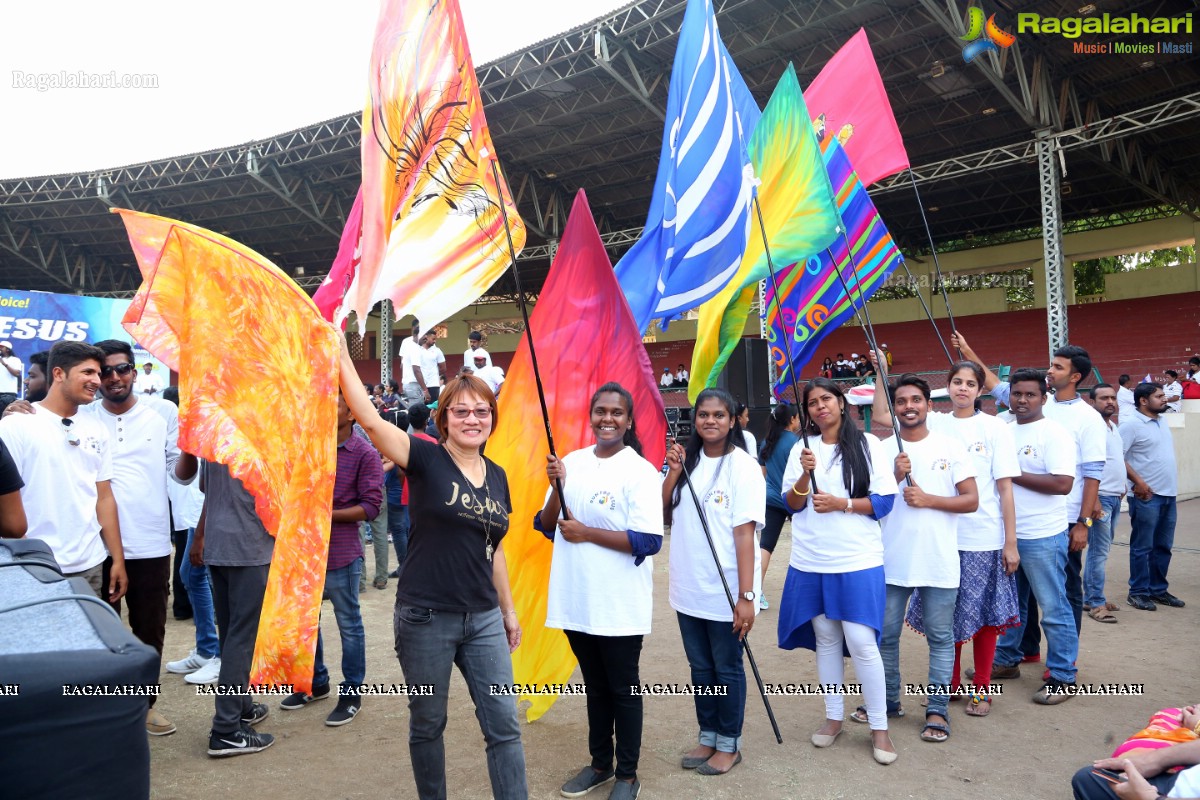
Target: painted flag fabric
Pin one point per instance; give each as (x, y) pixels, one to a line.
(329, 294)
(849, 104)
(799, 215)
(585, 336)
(433, 232)
(699, 215)
(813, 300)
(230, 322)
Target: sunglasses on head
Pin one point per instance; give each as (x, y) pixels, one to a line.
(120, 369)
(72, 437)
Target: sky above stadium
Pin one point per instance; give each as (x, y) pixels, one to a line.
(205, 76)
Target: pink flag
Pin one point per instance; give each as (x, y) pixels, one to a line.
(345, 265)
(848, 102)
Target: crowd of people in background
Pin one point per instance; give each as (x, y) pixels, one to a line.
(1016, 515)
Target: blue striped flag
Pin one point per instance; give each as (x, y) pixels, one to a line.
(699, 216)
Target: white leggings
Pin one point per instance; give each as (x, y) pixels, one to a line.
(868, 665)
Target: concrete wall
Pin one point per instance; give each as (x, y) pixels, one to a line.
(1185, 430)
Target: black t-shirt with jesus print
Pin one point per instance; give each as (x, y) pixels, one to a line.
(447, 567)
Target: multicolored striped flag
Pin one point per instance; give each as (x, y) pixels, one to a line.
(230, 322)
(813, 301)
(698, 222)
(799, 215)
(581, 298)
(433, 237)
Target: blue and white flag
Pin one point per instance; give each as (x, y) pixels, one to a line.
(699, 217)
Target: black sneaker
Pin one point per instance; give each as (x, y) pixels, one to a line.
(1054, 692)
(238, 743)
(258, 712)
(1168, 599)
(344, 713)
(300, 699)
(585, 781)
(1141, 602)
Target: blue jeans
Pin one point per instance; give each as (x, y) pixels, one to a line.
(938, 605)
(1099, 543)
(429, 642)
(195, 583)
(341, 586)
(715, 655)
(1043, 562)
(398, 527)
(1150, 540)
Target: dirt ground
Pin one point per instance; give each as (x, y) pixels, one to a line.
(1020, 751)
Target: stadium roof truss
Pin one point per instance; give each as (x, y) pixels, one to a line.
(585, 110)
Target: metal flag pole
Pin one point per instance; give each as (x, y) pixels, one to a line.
(933, 251)
(787, 354)
(537, 376)
(732, 603)
(925, 308)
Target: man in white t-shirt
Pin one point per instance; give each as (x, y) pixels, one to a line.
(667, 380)
(920, 544)
(681, 376)
(412, 378)
(1173, 389)
(10, 374)
(65, 459)
(1046, 454)
(143, 434)
(491, 375)
(474, 343)
(433, 364)
(148, 381)
(1125, 405)
(1112, 489)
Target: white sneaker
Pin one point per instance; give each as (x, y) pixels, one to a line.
(206, 674)
(193, 662)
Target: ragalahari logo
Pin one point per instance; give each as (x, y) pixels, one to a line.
(984, 38)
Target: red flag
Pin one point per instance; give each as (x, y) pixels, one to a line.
(585, 336)
(345, 265)
(848, 102)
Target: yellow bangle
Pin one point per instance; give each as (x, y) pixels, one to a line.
(800, 494)
(1196, 729)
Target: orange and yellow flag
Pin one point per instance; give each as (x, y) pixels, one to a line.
(258, 392)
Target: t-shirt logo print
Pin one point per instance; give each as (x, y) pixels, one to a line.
(1029, 450)
(718, 497)
(979, 449)
(941, 464)
(604, 499)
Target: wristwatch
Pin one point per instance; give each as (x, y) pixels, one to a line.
(1087, 521)
(750, 595)
(849, 509)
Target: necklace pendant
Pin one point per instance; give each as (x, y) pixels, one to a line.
(487, 551)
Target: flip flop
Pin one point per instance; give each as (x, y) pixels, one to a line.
(1102, 614)
(975, 708)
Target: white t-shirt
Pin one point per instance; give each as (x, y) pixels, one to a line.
(682, 375)
(60, 482)
(988, 444)
(430, 358)
(148, 384)
(1187, 784)
(836, 542)
(493, 377)
(410, 356)
(667, 379)
(145, 448)
(1043, 448)
(596, 589)
(732, 491)
(1125, 404)
(469, 357)
(10, 383)
(1113, 481)
(186, 503)
(751, 445)
(920, 545)
(1090, 435)
(1174, 389)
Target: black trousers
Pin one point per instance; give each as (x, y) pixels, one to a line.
(181, 604)
(237, 602)
(146, 598)
(1087, 786)
(610, 669)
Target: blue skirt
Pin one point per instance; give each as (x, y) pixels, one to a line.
(847, 596)
(987, 596)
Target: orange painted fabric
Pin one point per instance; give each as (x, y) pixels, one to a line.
(433, 236)
(585, 336)
(258, 392)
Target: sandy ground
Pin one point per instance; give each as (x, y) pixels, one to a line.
(1021, 750)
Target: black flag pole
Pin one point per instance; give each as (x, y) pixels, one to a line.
(800, 411)
(925, 307)
(537, 376)
(933, 251)
(712, 546)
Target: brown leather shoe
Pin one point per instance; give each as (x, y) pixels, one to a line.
(999, 672)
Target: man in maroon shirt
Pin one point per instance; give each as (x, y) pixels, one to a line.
(357, 495)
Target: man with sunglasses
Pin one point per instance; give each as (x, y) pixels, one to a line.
(143, 435)
(65, 459)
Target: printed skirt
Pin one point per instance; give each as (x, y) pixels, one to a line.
(987, 596)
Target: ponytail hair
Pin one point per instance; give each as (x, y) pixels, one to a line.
(781, 417)
(631, 438)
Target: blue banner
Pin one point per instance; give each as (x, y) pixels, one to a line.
(34, 321)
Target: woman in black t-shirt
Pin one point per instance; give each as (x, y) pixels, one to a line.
(453, 602)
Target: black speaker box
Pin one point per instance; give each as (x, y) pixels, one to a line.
(747, 375)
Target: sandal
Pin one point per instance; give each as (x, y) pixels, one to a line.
(976, 707)
(931, 731)
(1102, 614)
(860, 713)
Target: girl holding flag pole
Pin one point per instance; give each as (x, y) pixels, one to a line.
(601, 581)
